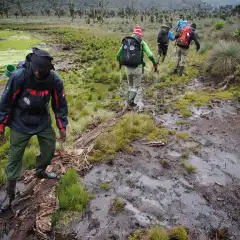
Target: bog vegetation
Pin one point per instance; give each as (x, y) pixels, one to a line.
(92, 84)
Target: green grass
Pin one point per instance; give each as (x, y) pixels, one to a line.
(133, 126)
(105, 186)
(3, 177)
(29, 158)
(199, 98)
(219, 25)
(224, 59)
(158, 233)
(117, 205)
(71, 193)
(165, 163)
(188, 167)
(185, 155)
(178, 233)
(183, 135)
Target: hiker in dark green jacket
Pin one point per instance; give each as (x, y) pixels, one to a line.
(131, 54)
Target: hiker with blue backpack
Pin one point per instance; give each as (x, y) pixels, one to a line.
(24, 108)
(183, 41)
(162, 40)
(131, 55)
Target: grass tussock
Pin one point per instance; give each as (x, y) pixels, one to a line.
(158, 233)
(131, 127)
(105, 186)
(71, 193)
(178, 233)
(188, 167)
(117, 205)
(3, 176)
(224, 59)
(219, 25)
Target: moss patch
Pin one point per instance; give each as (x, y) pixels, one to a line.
(131, 127)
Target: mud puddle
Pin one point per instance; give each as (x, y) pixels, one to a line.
(152, 194)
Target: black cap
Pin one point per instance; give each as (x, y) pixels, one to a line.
(194, 26)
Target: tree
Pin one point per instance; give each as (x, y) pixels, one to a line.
(102, 4)
(71, 5)
(56, 6)
(20, 5)
(4, 8)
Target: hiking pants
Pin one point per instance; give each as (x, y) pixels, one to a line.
(18, 144)
(134, 77)
(181, 56)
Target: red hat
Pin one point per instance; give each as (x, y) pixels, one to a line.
(138, 31)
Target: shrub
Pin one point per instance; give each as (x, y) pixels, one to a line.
(178, 233)
(188, 167)
(205, 46)
(71, 193)
(157, 233)
(219, 25)
(224, 59)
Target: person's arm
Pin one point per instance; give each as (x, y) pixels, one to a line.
(171, 36)
(148, 52)
(59, 105)
(119, 53)
(7, 101)
(194, 38)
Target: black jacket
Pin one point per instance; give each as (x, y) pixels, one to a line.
(24, 105)
(191, 38)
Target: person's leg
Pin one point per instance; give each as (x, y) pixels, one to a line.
(18, 143)
(47, 143)
(131, 90)
(182, 63)
(178, 59)
(137, 84)
(165, 49)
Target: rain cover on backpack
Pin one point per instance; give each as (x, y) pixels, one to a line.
(183, 40)
(132, 52)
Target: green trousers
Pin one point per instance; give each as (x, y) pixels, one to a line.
(18, 144)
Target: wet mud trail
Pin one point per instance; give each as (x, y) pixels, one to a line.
(167, 195)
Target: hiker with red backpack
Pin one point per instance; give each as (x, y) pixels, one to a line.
(130, 55)
(24, 108)
(183, 42)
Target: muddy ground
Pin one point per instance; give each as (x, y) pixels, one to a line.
(169, 196)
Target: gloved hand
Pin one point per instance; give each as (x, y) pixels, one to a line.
(63, 136)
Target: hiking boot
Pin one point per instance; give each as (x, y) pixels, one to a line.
(46, 175)
(175, 71)
(10, 195)
(181, 71)
(131, 97)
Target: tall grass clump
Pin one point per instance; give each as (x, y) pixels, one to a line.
(224, 59)
(71, 193)
(157, 233)
(219, 25)
(131, 127)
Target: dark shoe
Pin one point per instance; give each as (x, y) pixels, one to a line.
(46, 175)
(175, 71)
(181, 71)
(10, 195)
(131, 97)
